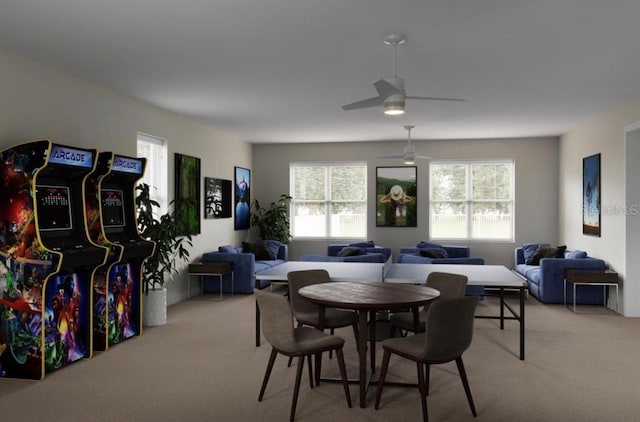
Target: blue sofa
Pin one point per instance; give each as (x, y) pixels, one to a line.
(546, 281)
(245, 266)
(364, 252)
(452, 255)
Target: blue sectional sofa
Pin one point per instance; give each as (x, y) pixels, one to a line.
(434, 253)
(245, 265)
(546, 280)
(352, 252)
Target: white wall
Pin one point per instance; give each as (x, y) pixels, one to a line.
(536, 163)
(602, 134)
(39, 102)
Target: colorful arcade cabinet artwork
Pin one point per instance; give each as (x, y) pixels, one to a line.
(117, 287)
(46, 259)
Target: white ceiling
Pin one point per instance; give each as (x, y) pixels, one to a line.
(280, 70)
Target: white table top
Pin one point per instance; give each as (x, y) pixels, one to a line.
(479, 275)
(338, 271)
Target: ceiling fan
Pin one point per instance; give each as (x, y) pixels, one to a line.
(391, 93)
(409, 155)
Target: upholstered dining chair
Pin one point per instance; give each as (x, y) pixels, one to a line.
(449, 331)
(450, 286)
(306, 313)
(300, 342)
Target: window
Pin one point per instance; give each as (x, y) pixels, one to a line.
(155, 151)
(471, 200)
(329, 200)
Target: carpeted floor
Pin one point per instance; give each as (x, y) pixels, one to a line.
(204, 366)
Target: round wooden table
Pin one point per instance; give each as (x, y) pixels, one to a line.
(366, 299)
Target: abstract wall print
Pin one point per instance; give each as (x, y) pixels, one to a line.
(242, 198)
(187, 187)
(217, 198)
(591, 195)
(396, 191)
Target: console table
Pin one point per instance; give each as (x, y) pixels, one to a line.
(591, 278)
(218, 269)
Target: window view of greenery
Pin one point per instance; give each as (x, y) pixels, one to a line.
(329, 200)
(471, 200)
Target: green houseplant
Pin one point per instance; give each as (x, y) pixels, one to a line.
(273, 222)
(171, 248)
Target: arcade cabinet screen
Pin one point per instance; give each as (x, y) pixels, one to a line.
(112, 208)
(54, 208)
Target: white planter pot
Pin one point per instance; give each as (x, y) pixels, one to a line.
(154, 308)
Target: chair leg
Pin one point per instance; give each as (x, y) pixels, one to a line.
(343, 374)
(422, 391)
(267, 374)
(331, 351)
(356, 333)
(427, 373)
(318, 368)
(291, 357)
(310, 371)
(465, 383)
(296, 389)
(383, 374)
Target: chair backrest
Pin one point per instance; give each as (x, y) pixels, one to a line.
(276, 320)
(449, 328)
(450, 286)
(300, 279)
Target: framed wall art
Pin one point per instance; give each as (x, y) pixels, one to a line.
(591, 195)
(242, 198)
(187, 187)
(396, 196)
(217, 198)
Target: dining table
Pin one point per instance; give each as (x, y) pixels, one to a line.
(367, 299)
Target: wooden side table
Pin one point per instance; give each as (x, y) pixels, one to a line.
(604, 278)
(218, 269)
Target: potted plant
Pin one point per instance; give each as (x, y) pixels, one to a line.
(172, 247)
(273, 222)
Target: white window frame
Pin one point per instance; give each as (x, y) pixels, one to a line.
(328, 200)
(154, 149)
(469, 200)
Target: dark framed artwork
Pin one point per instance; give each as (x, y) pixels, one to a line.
(396, 196)
(242, 198)
(217, 198)
(591, 195)
(187, 187)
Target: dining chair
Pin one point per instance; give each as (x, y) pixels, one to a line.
(300, 342)
(449, 331)
(450, 286)
(307, 313)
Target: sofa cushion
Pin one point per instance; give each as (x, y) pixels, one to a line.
(529, 250)
(367, 244)
(227, 249)
(258, 249)
(434, 253)
(547, 252)
(423, 244)
(349, 251)
(272, 247)
(577, 254)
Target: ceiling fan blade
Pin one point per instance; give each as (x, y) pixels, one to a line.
(423, 157)
(433, 98)
(386, 89)
(391, 156)
(369, 102)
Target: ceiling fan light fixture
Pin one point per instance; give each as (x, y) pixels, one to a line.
(394, 107)
(409, 161)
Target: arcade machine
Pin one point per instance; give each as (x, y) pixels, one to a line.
(95, 230)
(46, 259)
(121, 299)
